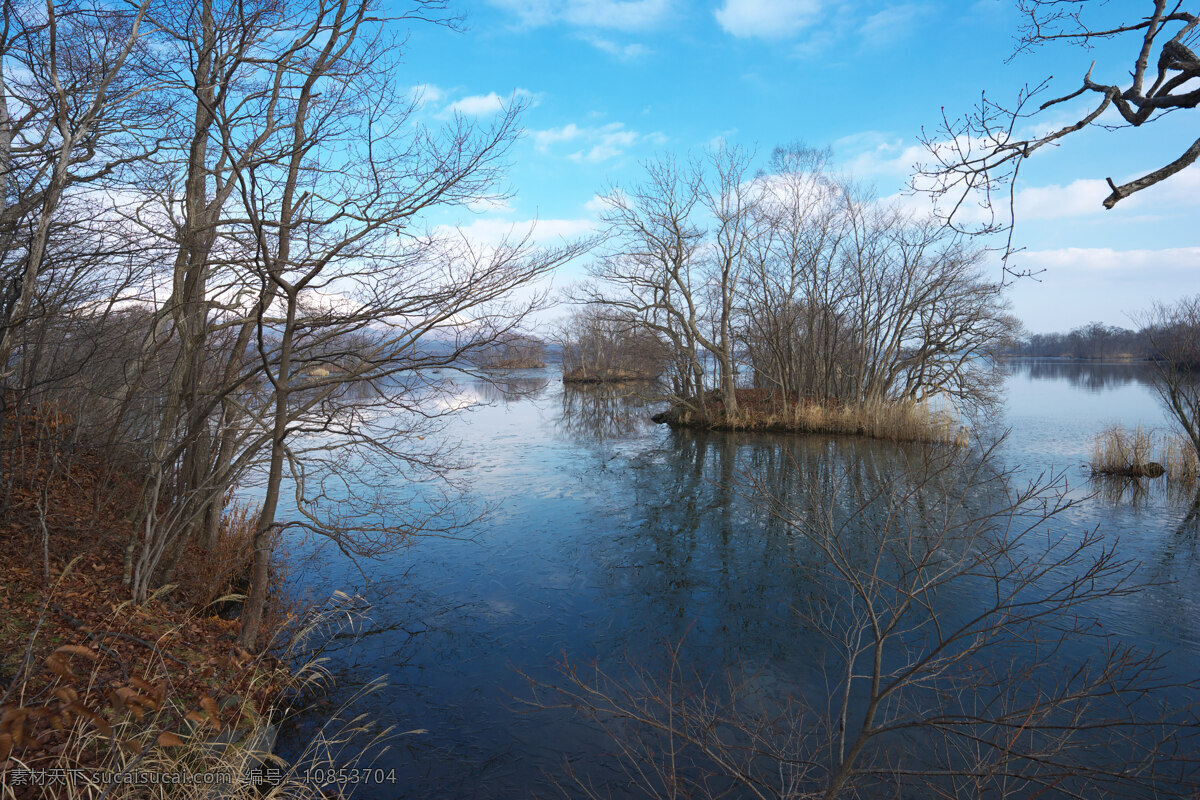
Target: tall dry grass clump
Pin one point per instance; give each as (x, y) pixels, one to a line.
(1140, 453)
(1119, 451)
(892, 420)
(902, 421)
(1179, 458)
(224, 567)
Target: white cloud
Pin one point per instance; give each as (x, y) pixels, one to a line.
(611, 141)
(598, 203)
(1105, 260)
(872, 153)
(424, 94)
(626, 52)
(624, 15)
(1081, 284)
(478, 105)
(889, 159)
(890, 24)
(491, 231)
(719, 141)
(483, 105)
(544, 139)
(1077, 199)
(495, 205)
(600, 142)
(767, 19)
(1085, 198)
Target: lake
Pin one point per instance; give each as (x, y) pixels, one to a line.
(608, 538)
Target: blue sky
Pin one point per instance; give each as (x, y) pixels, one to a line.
(611, 83)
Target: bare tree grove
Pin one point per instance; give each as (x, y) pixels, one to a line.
(216, 249)
(798, 278)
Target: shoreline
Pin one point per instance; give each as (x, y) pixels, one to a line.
(608, 376)
(890, 421)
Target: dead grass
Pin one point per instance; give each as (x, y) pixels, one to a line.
(72, 729)
(1179, 457)
(1139, 453)
(1119, 451)
(204, 575)
(91, 681)
(901, 421)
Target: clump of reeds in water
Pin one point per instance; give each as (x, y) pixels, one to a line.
(1179, 458)
(894, 420)
(1139, 453)
(902, 421)
(1123, 452)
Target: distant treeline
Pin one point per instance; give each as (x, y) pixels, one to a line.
(1093, 341)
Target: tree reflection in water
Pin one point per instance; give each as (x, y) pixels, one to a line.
(607, 410)
(510, 389)
(944, 637)
(1091, 376)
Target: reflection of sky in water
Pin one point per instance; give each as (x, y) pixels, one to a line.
(1054, 412)
(611, 535)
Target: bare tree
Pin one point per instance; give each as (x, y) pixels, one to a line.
(1173, 331)
(650, 275)
(351, 295)
(977, 155)
(515, 351)
(598, 346)
(61, 108)
(790, 295)
(731, 201)
(301, 163)
(225, 69)
(829, 296)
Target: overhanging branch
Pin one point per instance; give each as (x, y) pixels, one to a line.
(1120, 192)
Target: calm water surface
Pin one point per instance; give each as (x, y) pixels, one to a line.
(611, 537)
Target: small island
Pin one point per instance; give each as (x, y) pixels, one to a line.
(598, 349)
(512, 351)
(767, 411)
(769, 320)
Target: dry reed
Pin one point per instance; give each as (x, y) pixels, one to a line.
(1179, 457)
(211, 573)
(1138, 453)
(1117, 450)
(900, 421)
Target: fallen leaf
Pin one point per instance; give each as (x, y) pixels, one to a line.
(78, 650)
(56, 664)
(168, 739)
